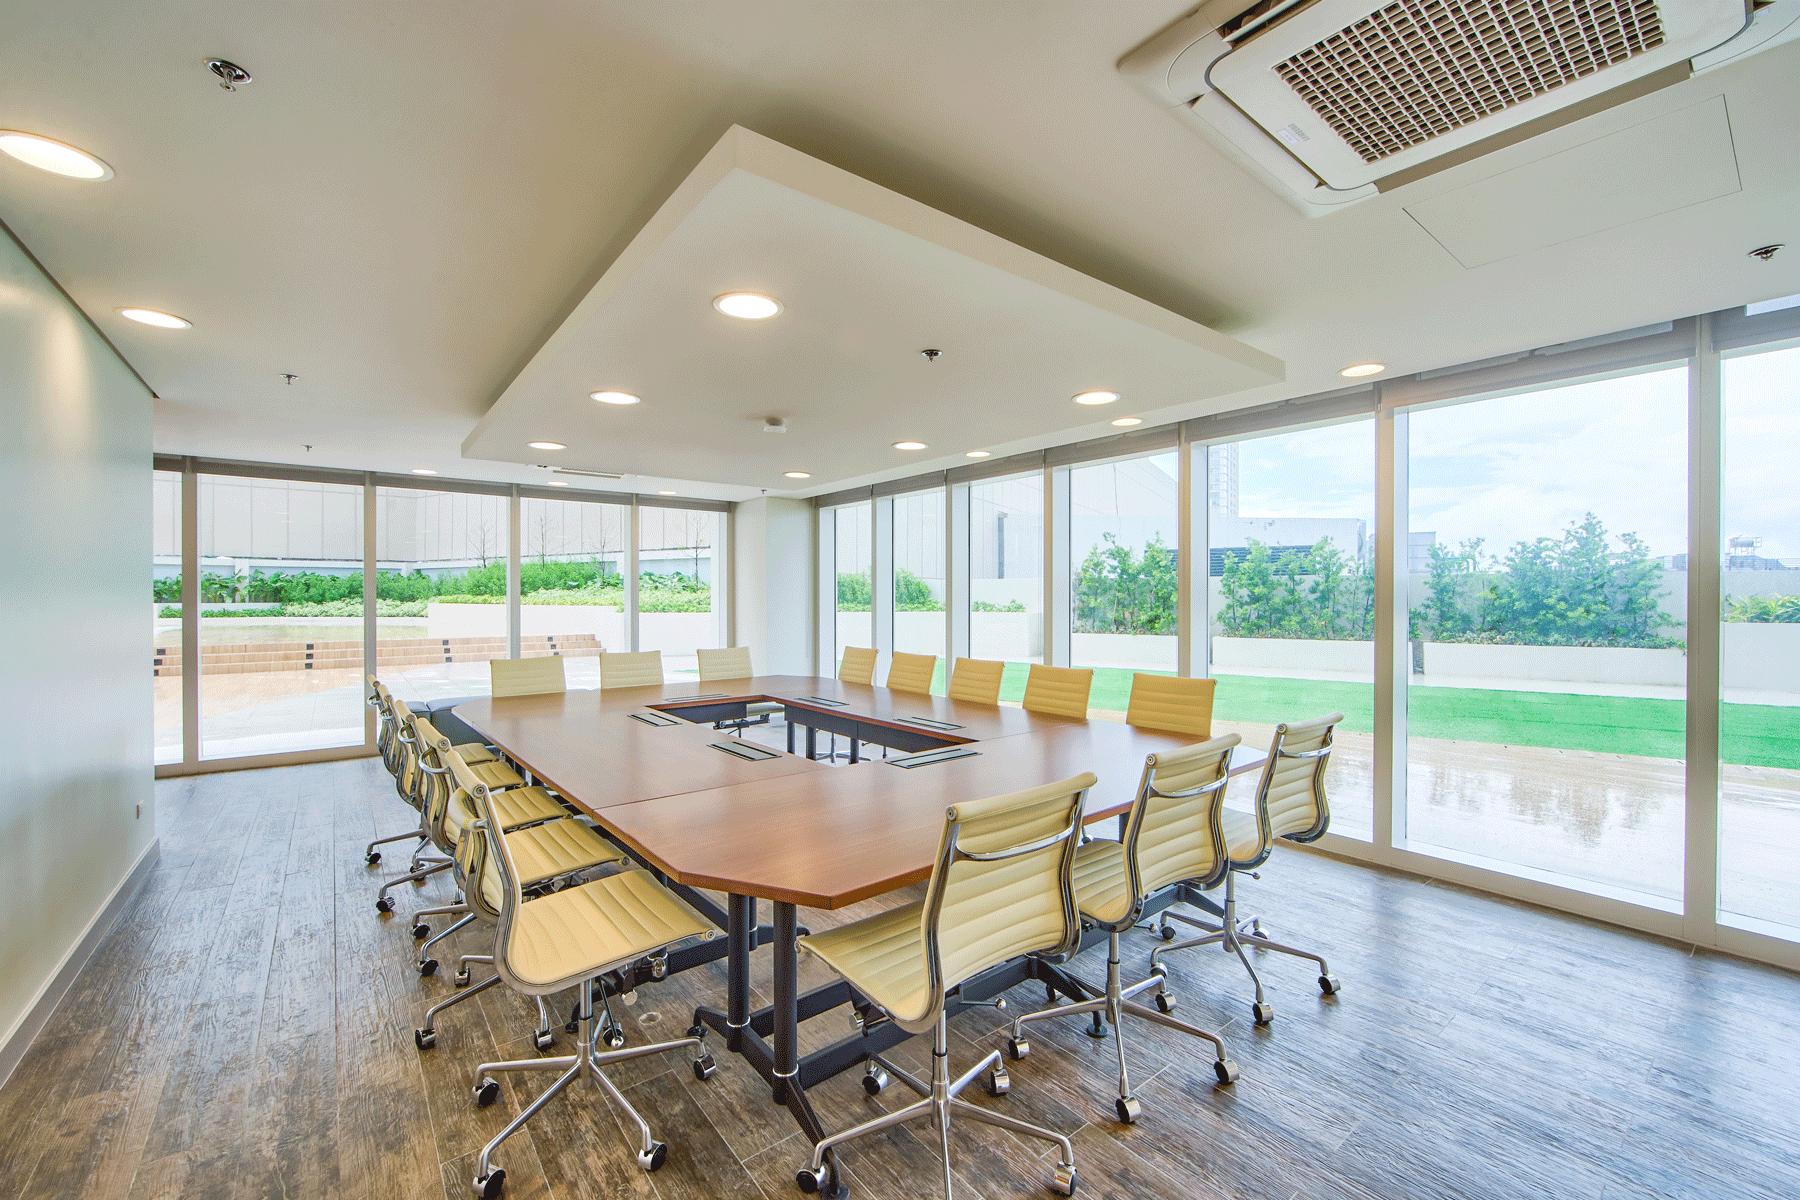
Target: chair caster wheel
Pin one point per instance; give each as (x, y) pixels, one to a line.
(1018, 1049)
(998, 1082)
(1227, 1072)
(1160, 970)
(697, 1031)
(486, 1092)
(705, 1067)
(418, 883)
(875, 1080)
(652, 1158)
(1165, 1003)
(1128, 1110)
(461, 978)
(1264, 1013)
(425, 1039)
(421, 930)
(1063, 1181)
(428, 967)
(572, 1027)
(488, 1186)
(1166, 932)
(614, 1038)
(373, 857)
(1329, 985)
(384, 905)
(821, 1182)
(543, 1039)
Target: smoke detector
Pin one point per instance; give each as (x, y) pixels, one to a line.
(774, 425)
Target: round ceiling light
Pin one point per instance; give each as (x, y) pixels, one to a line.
(1096, 397)
(976, 453)
(748, 306)
(614, 397)
(423, 471)
(798, 474)
(149, 316)
(546, 445)
(909, 445)
(666, 493)
(56, 157)
(1127, 422)
(1361, 370)
(559, 483)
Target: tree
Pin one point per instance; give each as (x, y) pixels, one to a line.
(1448, 615)
(1118, 591)
(1319, 593)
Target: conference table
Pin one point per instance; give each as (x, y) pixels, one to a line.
(705, 811)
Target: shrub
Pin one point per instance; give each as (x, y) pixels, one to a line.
(1118, 591)
(985, 606)
(1763, 609)
(1319, 594)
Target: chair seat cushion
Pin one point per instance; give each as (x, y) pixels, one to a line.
(526, 806)
(883, 957)
(1243, 837)
(555, 848)
(475, 752)
(1102, 885)
(495, 774)
(573, 934)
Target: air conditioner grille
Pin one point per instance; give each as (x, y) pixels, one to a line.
(1419, 68)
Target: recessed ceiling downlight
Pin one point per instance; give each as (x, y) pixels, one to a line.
(1127, 422)
(909, 445)
(668, 493)
(150, 316)
(559, 483)
(1096, 397)
(798, 474)
(976, 453)
(614, 397)
(546, 445)
(423, 471)
(748, 306)
(1363, 370)
(47, 154)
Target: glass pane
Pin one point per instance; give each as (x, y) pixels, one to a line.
(165, 610)
(1290, 593)
(281, 616)
(919, 624)
(1006, 575)
(440, 591)
(1759, 726)
(853, 536)
(679, 610)
(1124, 539)
(1546, 714)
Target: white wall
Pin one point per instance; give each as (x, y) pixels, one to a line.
(76, 667)
(776, 584)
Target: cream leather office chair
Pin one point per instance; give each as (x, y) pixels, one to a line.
(1001, 888)
(407, 784)
(1172, 835)
(526, 676)
(1291, 804)
(734, 663)
(621, 670)
(977, 680)
(566, 939)
(1058, 691)
(912, 672)
(1177, 705)
(393, 757)
(858, 665)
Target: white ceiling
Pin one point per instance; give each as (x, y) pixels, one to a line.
(409, 200)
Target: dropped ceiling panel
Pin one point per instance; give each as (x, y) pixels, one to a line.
(867, 279)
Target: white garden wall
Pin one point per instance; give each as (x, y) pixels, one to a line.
(1292, 654)
(1563, 664)
(1758, 657)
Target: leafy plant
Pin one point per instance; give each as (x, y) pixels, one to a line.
(1119, 591)
(1320, 594)
(855, 592)
(985, 606)
(166, 591)
(1763, 609)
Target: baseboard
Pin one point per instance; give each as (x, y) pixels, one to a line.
(39, 1014)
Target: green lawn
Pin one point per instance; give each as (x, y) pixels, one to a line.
(1752, 734)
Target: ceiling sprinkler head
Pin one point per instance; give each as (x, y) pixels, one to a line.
(931, 355)
(231, 76)
(1766, 252)
(774, 425)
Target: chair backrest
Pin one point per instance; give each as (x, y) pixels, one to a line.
(912, 672)
(386, 744)
(443, 795)
(1174, 832)
(1177, 705)
(977, 679)
(620, 670)
(733, 663)
(1001, 887)
(1290, 798)
(526, 676)
(1058, 691)
(406, 753)
(858, 665)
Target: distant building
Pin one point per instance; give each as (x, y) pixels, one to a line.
(1222, 479)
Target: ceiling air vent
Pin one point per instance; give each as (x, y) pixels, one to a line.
(1330, 101)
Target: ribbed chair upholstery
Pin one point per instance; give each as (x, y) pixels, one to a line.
(858, 665)
(565, 939)
(1177, 705)
(1000, 889)
(1291, 804)
(622, 670)
(734, 663)
(912, 672)
(526, 676)
(977, 679)
(1058, 691)
(1172, 835)
(404, 765)
(393, 756)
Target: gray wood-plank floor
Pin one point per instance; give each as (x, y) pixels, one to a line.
(246, 1031)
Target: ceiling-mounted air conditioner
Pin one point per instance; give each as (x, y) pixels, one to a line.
(1330, 102)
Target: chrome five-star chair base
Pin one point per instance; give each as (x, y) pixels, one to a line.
(1232, 935)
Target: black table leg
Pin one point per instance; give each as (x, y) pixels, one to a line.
(812, 742)
(790, 726)
(855, 751)
(742, 918)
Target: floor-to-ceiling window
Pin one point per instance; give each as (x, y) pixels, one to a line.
(851, 537)
(1290, 595)
(680, 595)
(572, 582)
(165, 608)
(1548, 559)
(1759, 726)
(281, 615)
(919, 576)
(1124, 545)
(1006, 574)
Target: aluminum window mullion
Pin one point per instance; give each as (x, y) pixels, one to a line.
(881, 576)
(1706, 460)
(1190, 626)
(1393, 657)
(514, 613)
(371, 598)
(1058, 596)
(825, 563)
(190, 613)
(632, 546)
